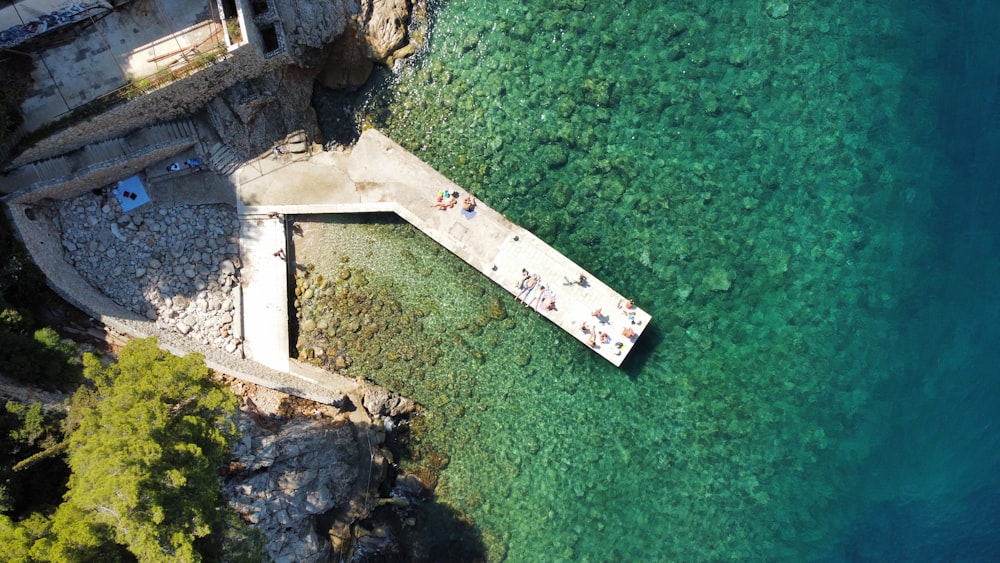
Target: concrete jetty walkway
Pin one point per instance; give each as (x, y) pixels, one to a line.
(378, 175)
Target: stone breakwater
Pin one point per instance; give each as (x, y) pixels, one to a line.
(176, 265)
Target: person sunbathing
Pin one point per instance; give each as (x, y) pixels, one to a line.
(529, 286)
(469, 204)
(446, 203)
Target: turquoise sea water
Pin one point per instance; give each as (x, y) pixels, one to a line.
(834, 163)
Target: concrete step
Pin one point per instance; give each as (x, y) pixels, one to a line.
(225, 161)
(102, 152)
(53, 168)
(188, 129)
(20, 178)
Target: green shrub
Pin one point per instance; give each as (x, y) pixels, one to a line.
(42, 359)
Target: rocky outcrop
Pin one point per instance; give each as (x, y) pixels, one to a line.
(310, 26)
(381, 402)
(284, 480)
(347, 63)
(252, 116)
(379, 28)
(335, 42)
(379, 36)
(385, 24)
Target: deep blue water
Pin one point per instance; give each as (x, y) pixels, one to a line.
(934, 493)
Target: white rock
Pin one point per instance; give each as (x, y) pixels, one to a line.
(117, 232)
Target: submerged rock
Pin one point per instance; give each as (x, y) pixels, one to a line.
(718, 280)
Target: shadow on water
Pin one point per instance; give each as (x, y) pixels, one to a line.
(642, 352)
(426, 529)
(443, 534)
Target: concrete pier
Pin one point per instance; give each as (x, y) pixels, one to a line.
(378, 175)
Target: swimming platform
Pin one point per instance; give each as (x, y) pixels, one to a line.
(378, 175)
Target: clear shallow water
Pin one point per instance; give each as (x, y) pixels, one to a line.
(834, 167)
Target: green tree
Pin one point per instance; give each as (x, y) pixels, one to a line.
(30, 437)
(145, 456)
(42, 359)
(28, 352)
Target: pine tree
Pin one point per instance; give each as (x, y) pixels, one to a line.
(145, 456)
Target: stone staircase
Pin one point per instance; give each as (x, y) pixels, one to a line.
(223, 160)
(118, 152)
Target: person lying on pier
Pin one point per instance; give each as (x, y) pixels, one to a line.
(537, 299)
(529, 286)
(525, 276)
(547, 300)
(447, 202)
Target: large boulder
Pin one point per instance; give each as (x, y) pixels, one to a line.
(310, 26)
(385, 27)
(380, 402)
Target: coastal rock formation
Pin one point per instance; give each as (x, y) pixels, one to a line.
(335, 42)
(178, 266)
(381, 402)
(385, 27)
(347, 63)
(283, 480)
(309, 26)
(253, 115)
(375, 27)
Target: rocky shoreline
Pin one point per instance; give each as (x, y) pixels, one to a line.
(300, 467)
(313, 478)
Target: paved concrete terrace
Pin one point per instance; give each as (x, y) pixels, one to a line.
(135, 40)
(378, 176)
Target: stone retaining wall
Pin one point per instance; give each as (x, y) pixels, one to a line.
(180, 98)
(101, 174)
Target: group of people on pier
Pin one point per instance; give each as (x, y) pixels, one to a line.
(447, 199)
(544, 298)
(596, 337)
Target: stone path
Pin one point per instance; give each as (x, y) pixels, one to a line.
(379, 175)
